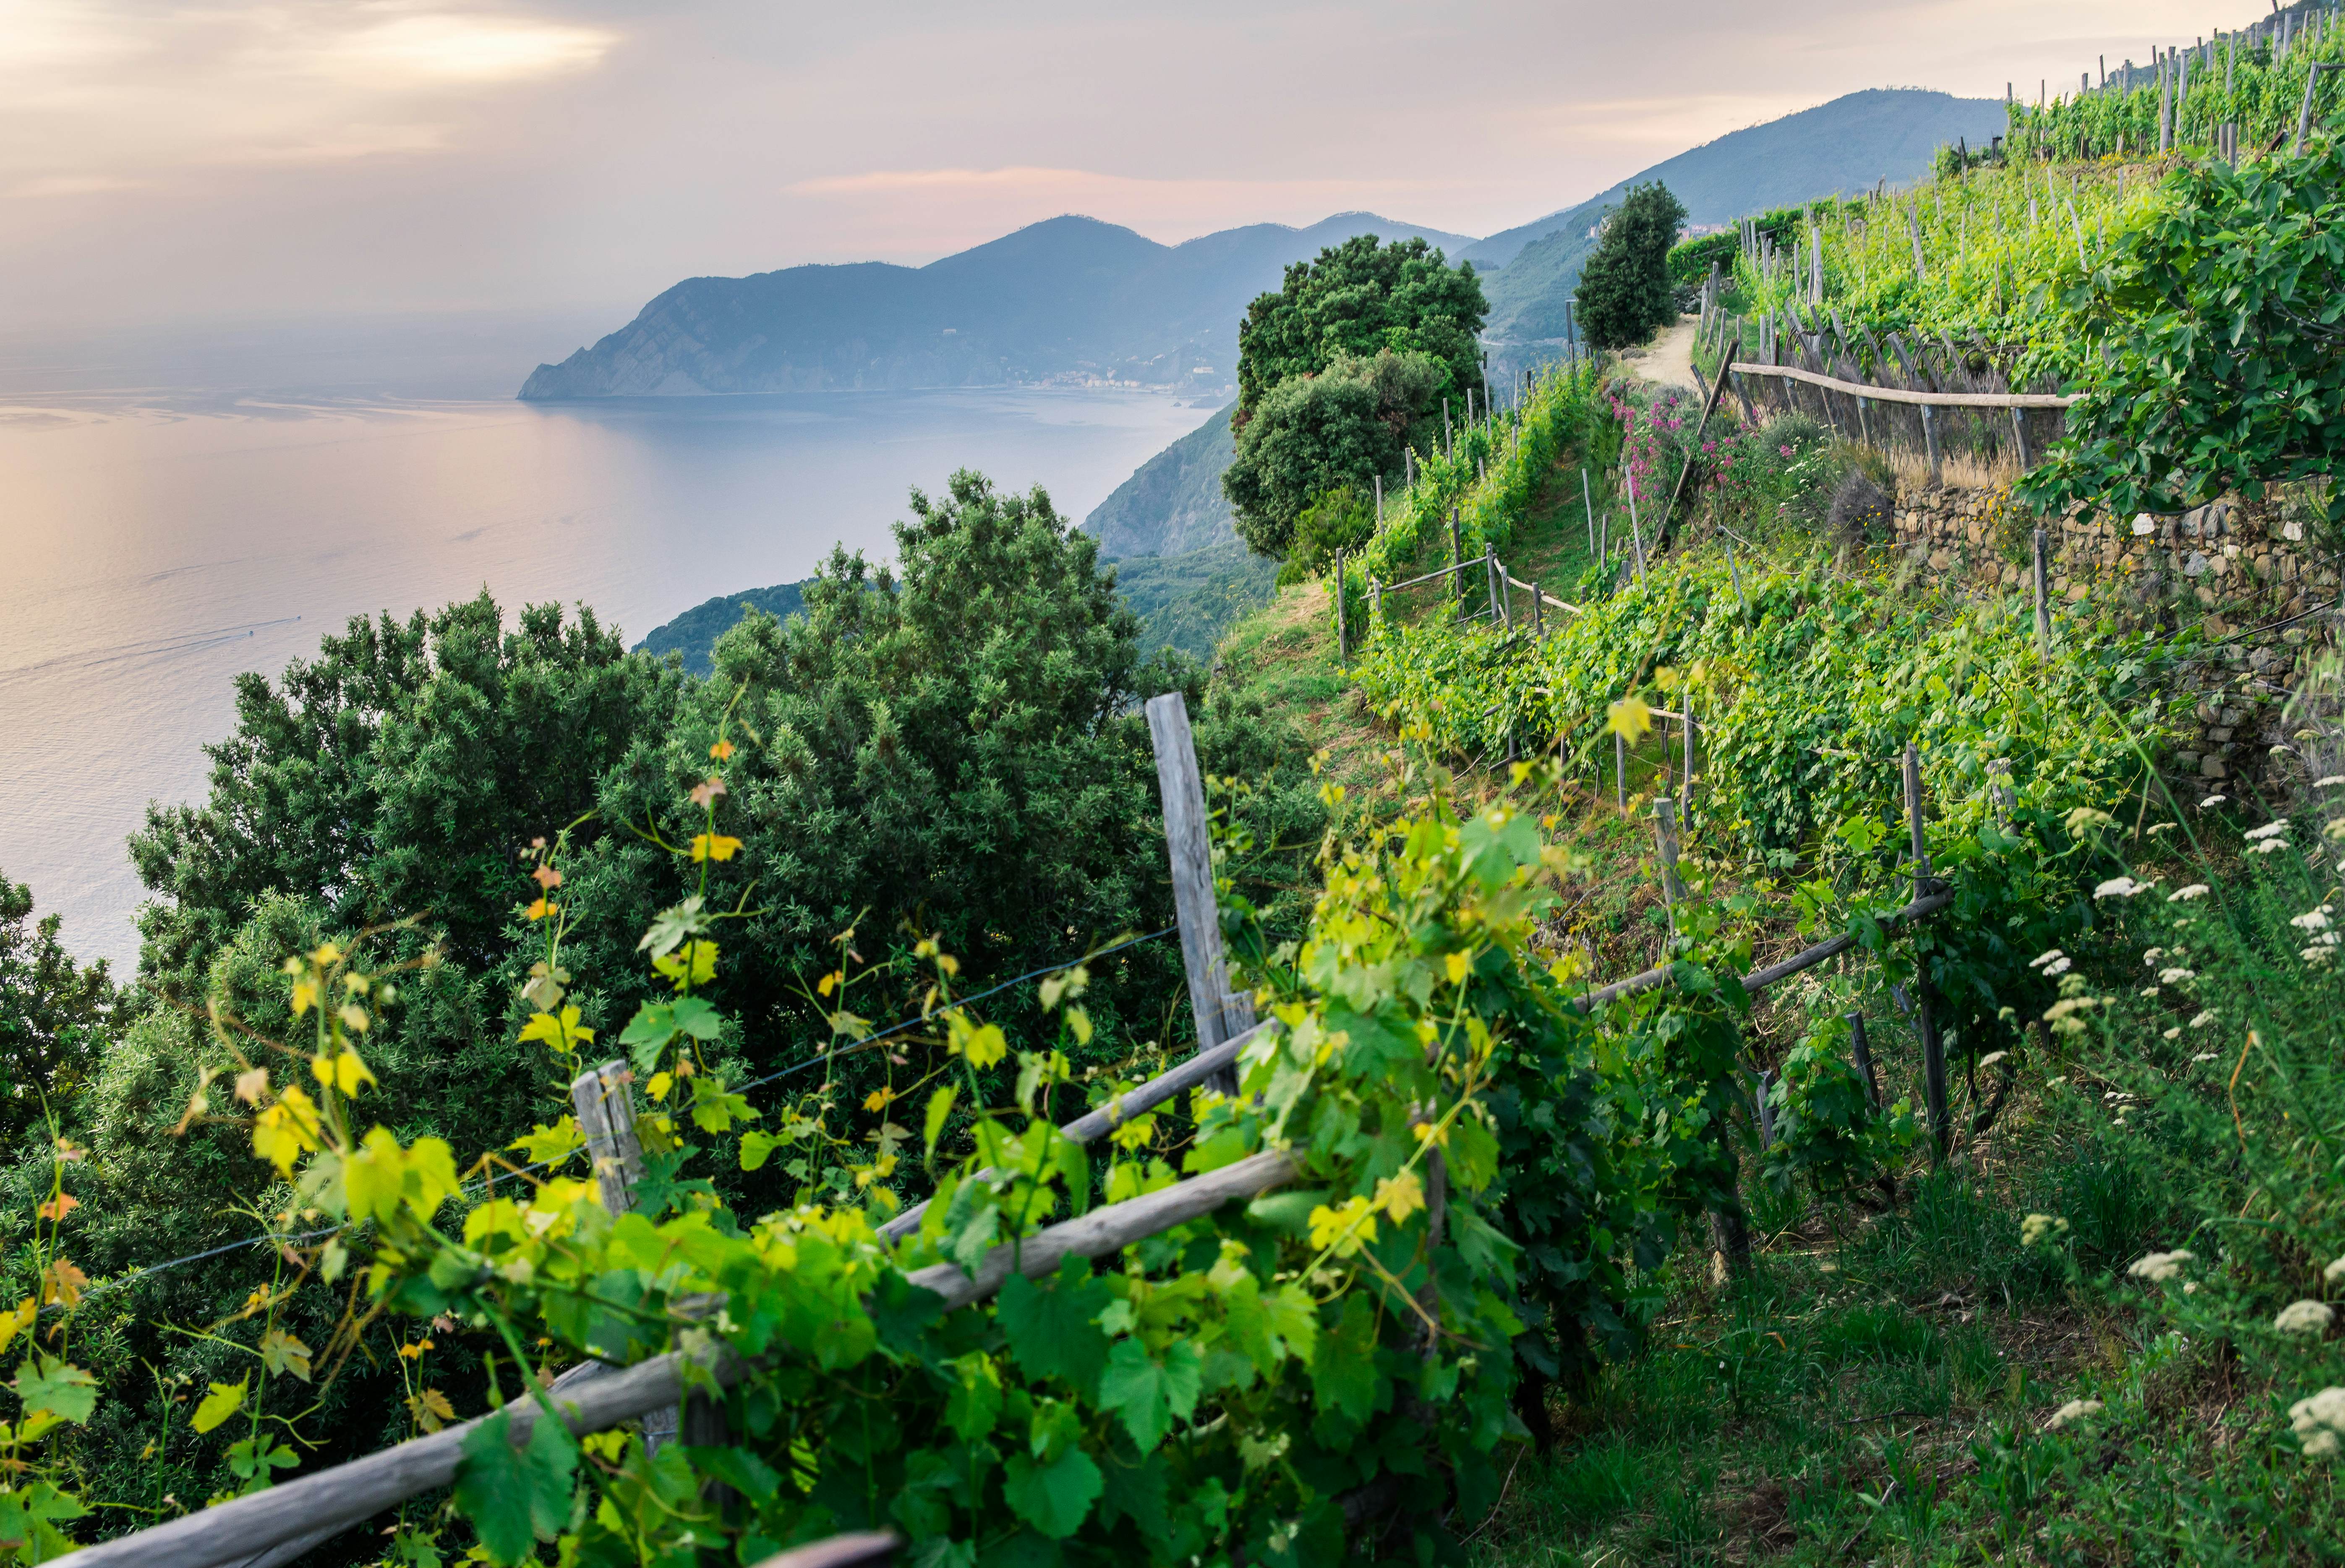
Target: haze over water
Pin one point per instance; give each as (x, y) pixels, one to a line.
(179, 512)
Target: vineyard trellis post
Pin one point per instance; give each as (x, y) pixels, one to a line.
(1933, 1051)
(1861, 1050)
(2043, 600)
(603, 1099)
(1343, 632)
(1220, 1013)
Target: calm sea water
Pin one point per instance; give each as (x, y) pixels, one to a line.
(176, 512)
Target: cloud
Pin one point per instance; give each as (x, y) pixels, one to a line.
(110, 95)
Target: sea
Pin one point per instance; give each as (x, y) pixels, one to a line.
(179, 506)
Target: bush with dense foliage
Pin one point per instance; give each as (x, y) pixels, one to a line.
(55, 1016)
(1624, 292)
(1344, 427)
(1354, 301)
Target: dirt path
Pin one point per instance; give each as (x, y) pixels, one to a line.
(1668, 359)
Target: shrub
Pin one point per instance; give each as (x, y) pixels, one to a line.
(1624, 289)
(1343, 428)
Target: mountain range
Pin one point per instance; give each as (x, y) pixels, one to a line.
(1076, 299)
(1849, 145)
(1070, 298)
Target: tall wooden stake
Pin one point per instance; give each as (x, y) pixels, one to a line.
(1933, 1050)
(2043, 600)
(603, 1101)
(1862, 1052)
(1220, 1014)
(1342, 633)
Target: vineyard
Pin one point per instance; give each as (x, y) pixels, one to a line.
(1742, 1048)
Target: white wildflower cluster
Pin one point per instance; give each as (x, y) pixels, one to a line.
(2335, 828)
(2269, 839)
(2331, 782)
(2206, 1057)
(2316, 924)
(2305, 1318)
(2173, 1034)
(2175, 974)
(1992, 1058)
(2205, 1018)
(2318, 1422)
(2065, 1016)
(2038, 1228)
(2053, 963)
(2157, 1268)
(2121, 887)
(2335, 1271)
(2150, 956)
(2196, 891)
(2074, 1410)
(2212, 800)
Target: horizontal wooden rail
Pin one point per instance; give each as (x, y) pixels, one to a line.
(1429, 576)
(594, 1398)
(1759, 979)
(1120, 1109)
(848, 1551)
(1551, 599)
(1903, 395)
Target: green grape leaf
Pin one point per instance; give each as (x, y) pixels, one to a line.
(28, 1524)
(1148, 1394)
(63, 1390)
(1053, 1498)
(1053, 1328)
(515, 1497)
(940, 1106)
(223, 1402)
(1343, 1376)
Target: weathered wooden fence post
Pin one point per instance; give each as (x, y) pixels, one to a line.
(1587, 501)
(1688, 791)
(2043, 600)
(1933, 1051)
(1457, 559)
(1220, 1014)
(1665, 838)
(1863, 1052)
(1343, 632)
(603, 1099)
(1490, 574)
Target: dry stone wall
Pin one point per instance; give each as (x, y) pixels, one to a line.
(2241, 572)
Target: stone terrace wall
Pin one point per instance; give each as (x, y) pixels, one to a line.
(2232, 568)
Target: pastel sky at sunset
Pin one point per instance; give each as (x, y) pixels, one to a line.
(257, 158)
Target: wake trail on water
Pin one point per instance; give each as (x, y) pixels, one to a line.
(150, 648)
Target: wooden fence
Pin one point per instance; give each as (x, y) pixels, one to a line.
(668, 1394)
(1929, 396)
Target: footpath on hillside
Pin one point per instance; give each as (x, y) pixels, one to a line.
(1668, 359)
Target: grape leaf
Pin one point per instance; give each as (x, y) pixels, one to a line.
(1149, 1394)
(223, 1402)
(1344, 1368)
(1053, 1328)
(62, 1388)
(515, 1497)
(1053, 1498)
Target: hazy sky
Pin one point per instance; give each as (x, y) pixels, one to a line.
(242, 157)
